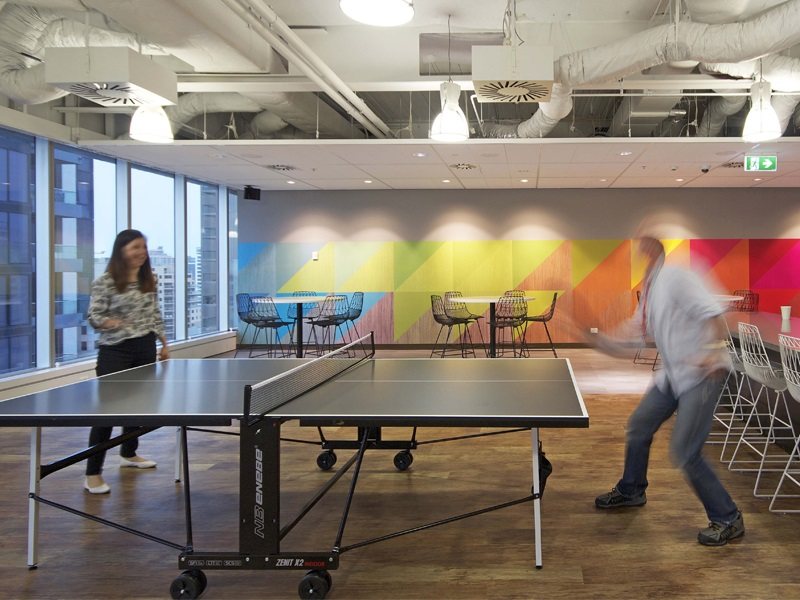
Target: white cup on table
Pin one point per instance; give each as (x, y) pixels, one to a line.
(786, 312)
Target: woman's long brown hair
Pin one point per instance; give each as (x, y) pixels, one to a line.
(119, 270)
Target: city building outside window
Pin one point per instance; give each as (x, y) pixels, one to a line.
(17, 252)
(153, 213)
(84, 216)
(202, 260)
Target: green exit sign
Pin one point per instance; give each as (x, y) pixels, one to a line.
(760, 163)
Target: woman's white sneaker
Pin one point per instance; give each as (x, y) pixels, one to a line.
(137, 462)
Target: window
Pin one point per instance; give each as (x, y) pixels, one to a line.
(153, 213)
(17, 247)
(84, 216)
(233, 255)
(202, 263)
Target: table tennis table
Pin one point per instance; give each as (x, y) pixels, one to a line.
(341, 389)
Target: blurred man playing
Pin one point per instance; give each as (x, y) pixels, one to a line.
(681, 315)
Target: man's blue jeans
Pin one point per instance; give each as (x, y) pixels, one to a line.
(692, 425)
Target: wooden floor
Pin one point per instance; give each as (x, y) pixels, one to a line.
(647, 552)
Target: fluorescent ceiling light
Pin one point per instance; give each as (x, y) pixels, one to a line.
(762, 122)
(151, 124)
(450, 125)
(382, 13)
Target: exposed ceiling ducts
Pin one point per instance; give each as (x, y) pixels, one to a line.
(291, 69)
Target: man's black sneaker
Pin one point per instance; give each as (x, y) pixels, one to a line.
(615, 499)
(718, 534)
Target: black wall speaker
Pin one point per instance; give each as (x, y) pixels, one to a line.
(252, 193)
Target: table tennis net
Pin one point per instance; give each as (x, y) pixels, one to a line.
(270, 394)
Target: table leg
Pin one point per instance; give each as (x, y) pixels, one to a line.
(299, 329)
(33, 490)
(492, 331)
(537, 502)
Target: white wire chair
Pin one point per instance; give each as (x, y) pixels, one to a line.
(759, 369)
(732, 406)
(790, 361)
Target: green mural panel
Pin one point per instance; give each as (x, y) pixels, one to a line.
(482, 267)
(409, 257)
(432, 267)
(587, 255)
(364, 266)
(409, 307)
(527, 256)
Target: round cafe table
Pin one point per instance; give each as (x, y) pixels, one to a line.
(492, 302)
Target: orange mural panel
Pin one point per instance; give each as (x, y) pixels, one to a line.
(603, 298)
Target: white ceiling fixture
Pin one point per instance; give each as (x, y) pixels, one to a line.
(381, 13)
(513, 72)
(111, 76)
(450, 125)
(151, 124)
(762, 123)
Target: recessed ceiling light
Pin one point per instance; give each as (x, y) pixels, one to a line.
(419, 155)
(368, 181)
(625, 153)
(290, 182)
(679, 179)
(445, 181)
(758, 179)
(604, 180)
(523, 181)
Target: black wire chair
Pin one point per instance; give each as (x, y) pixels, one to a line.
(440, 316)
(458, 311)
(268, 320)
(543, 319)
(333, 313)
(510, 314)
(354, 312)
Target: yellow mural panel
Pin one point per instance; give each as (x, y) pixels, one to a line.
(482, 267)
(408, 309)
(528, 255)
(375, 274)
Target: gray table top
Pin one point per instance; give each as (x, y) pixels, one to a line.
(769, 324)
(474, 392)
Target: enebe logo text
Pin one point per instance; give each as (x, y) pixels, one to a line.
(258, 508)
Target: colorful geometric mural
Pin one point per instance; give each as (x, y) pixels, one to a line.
(595, 280)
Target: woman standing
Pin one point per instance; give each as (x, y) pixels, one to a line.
(124, 309)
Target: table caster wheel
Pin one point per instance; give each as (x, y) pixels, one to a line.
(188, 585)
(315, 584)
(326, 460)
(403, 460)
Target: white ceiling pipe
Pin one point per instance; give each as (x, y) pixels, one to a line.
(191, 105)
(29, 30)
(717, 112)
(783, 73)
(770, 32)
(300, 48)
(266, 123)
(277, 43)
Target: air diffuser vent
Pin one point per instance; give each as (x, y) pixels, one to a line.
(110, 76)
(463, 166)
(281, 168)
(512, 73)
(734, 164)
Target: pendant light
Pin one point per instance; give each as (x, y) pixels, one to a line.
(761, 124)
(151, 124)
(450, 125)
(382, 13)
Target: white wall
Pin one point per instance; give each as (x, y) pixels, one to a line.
(416, 215)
